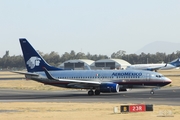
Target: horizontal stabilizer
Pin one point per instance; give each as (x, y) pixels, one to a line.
(25, 73)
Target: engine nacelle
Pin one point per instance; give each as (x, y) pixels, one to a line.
(109, 87)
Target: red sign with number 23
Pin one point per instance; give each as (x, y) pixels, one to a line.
(137, 108)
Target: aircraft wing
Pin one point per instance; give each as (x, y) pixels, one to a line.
(49, 76)
(155, 68)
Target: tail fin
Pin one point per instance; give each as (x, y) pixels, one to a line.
(33, 60)
(175, 62)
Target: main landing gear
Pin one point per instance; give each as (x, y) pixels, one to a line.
(91, 92)
(152, 91)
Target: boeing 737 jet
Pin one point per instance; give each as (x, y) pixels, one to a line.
(154, 67)
(96, 81)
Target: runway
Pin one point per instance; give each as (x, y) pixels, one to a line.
(164, 96)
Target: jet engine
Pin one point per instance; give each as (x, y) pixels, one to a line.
(109, 87)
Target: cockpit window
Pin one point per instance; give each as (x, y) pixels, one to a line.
(159, 76)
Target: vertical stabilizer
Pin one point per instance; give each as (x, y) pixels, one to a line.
(175, 62)
(33, 60)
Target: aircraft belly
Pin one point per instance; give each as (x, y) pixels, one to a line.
(136, 83)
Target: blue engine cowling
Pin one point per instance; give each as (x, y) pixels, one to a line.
(109, 87)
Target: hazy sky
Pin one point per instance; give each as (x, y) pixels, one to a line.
(94, 26)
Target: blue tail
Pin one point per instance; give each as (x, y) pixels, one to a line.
(34, 62)
(175, 62)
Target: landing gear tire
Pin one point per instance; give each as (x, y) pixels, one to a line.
(91, 92)
(97, 92)
(152, 92)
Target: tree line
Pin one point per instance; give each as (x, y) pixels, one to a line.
(17, 62)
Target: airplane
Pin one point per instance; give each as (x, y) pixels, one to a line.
(95, 81)
(154, 67)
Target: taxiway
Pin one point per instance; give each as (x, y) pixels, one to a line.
(164, 96)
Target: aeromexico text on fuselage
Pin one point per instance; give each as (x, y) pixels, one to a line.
(127, 74)
(118, 74)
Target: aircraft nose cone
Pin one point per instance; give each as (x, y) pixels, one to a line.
(168, 80)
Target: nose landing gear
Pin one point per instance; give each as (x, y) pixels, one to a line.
(152, 92)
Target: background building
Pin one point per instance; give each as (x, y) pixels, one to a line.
(82, 64)
(77, 64)
(110, 64)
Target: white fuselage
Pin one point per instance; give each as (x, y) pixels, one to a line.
(150, 66)
(125, 78)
